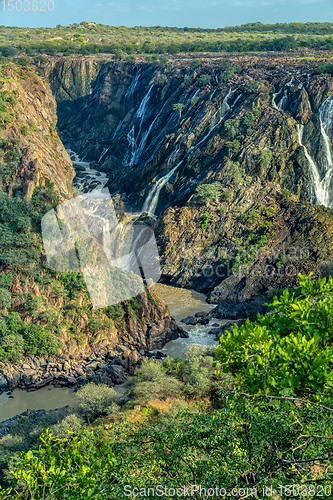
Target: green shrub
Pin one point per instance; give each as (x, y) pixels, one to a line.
(225, 195)
(235, 172)
(5, 298)
(204, 80)
(195, 64)
(150, 381)
(234, 146)
(232, 126)
(243, 442)
(209, 192)
(24, 130)
(264, 158)
(96, 400)
(226, 75)
(289, 350)
(13, 347)
(72, 423)
(325, 67)
(39, 340)
(6, 280)
(116, 311)
(198, 373)
(72, 466)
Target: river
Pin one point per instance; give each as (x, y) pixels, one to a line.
(181, 303)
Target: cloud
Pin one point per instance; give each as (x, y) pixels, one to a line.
(116, 6)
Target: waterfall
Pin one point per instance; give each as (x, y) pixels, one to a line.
(280, 105)
(132, 87)
(212, 94)
(117, 129)
(105, 150)
(321, 186)
(219, 115)
(87, 178)
(274, 99)
(326, 122)
(142, 108)
(136, 143)
(151, 201)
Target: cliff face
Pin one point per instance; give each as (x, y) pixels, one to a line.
(71, 82)
(46, 314)
(258, 240)
(29, 117)
(259, 127)
(93, 347)
(259, 117)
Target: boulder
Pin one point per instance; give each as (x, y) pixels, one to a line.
(234, 309)
(190, 320)
(200, 314)
(117, 374)
(204, 321)
(3, 383)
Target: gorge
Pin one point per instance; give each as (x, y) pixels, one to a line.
(259, 128)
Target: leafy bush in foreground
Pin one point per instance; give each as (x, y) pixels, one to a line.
(247, 442)
(289, 350)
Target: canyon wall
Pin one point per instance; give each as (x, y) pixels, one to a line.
(30, 118)
(127, 122)
(260, 127)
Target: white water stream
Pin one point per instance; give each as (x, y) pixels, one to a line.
(322, 178)
(321, 169)
(151, 201)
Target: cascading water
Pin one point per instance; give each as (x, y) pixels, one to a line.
(219, 115)
(326, 122)
(105, 150)
(313, 167)
(151, 201)
(280, 105)
(87, 178)
(137, 141)
(321, 171)
(132, 87)
(322, 187)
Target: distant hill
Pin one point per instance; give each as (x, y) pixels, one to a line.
(91, 38)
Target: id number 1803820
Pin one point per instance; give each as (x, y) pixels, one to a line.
(28, 5)
(305, 490)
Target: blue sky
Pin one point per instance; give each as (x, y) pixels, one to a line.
(191, 13)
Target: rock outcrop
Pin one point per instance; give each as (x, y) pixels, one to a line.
(31, 120)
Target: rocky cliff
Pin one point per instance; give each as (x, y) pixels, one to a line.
(94, 347)
(29, 117)
(258, 128)
(139, 122)
(44, 314)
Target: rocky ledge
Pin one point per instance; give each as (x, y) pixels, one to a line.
(106, 365)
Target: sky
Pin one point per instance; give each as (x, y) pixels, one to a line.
(181, 13)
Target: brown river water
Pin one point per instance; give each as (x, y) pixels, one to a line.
(181, 303)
